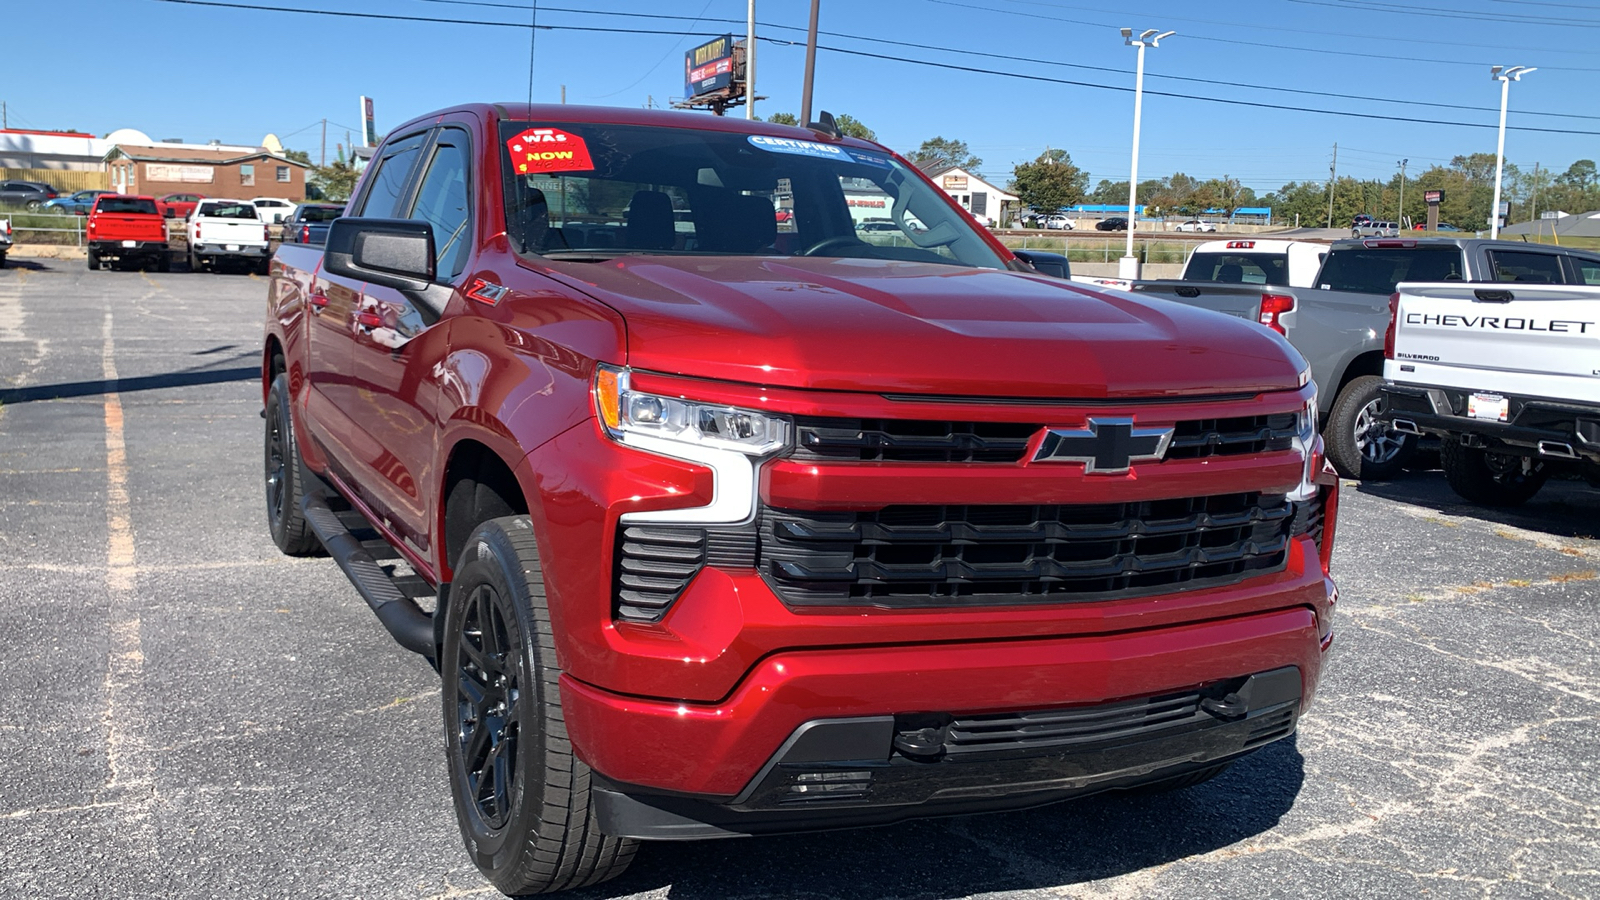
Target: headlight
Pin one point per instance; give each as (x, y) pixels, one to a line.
(1305, 441)
(727, 439)
(625, 412)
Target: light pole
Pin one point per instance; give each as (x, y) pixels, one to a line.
(1504, 75)
(1401, 218)
(1128, 267)
(750, 63)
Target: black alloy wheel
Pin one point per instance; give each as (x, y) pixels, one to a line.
(283, 475)
(487, 691)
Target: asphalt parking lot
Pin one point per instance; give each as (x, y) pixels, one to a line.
(190, 714)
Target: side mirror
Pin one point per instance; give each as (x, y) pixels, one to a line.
(1053, 264)
(394, 253)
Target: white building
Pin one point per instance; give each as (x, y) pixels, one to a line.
(987, 203)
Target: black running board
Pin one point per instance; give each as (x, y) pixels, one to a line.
(390, 598)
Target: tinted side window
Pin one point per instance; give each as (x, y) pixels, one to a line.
(1588, 270)
(1374, 271)
(388, 181)
(442, 202)
(1528, 268)
(1239, 268)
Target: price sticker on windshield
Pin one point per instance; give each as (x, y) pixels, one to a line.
(548, 150)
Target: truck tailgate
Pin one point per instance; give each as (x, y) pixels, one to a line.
(1542, 340)
(231, 231)
(1242, 301)
(129, 227)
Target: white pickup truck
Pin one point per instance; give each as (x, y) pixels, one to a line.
(1507, 374)
(222, 231)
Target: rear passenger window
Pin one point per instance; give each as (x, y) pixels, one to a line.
(442, 202)
(1527, 268)
(388, 181)
(1588, 272)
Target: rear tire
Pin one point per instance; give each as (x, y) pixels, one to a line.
(94, 261)
(522, 796)
(194, 261)
(284, 475)
(1489, 479)
(164, 263)
(1357, 444)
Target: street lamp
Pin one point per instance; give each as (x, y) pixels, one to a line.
(1128, 267)
(1504, 75)
(1401, 218)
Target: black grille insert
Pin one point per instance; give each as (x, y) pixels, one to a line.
(654, 563)
(911, 440)
(936, 556)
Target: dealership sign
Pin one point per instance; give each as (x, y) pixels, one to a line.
(1433, 196)
(178, 174)
(708, 67)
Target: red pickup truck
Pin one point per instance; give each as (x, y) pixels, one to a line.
(726, 526)
(127, 228)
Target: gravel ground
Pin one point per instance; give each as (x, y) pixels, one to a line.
(190, 714)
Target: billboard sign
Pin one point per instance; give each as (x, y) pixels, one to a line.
(369, 125)
(178, 174)
(1433, 196)
(708, 67)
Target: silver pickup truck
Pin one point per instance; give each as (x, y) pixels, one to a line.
(1338, 324)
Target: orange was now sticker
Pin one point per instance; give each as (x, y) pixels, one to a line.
(548, 150)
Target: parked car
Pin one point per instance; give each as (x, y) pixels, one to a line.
(1058, 222)
(1196, 225)
(179, 206)
(128, 228)
(222, 231)
(1375, 228)
(5, 240)
(309, 223)
(1115, 223)
(30, 194)
(878, 228)
(272, 209)
(1504, 378)
(721, 545)
(76, 204)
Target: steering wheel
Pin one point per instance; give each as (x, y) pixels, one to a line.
(826, 243)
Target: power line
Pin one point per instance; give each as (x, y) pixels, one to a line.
(909, 61)
(1434, 12)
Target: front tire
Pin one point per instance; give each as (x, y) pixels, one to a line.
(284, 474)
(522, 796)
(1358, 445)
(1489, 479)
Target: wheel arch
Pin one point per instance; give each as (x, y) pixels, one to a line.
(477, 484)
(1367, 363)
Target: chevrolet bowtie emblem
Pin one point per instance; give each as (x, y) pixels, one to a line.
(1106, 447)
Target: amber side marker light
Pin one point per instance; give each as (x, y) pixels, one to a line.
(606, 397)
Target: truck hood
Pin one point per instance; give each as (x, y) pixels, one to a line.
(915, 328)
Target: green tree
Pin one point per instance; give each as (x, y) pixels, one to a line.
(783, 118)
(1580, 174)
(1109, 192)
(941, 151)
(336, 180)
(850, 126)
(1049, 182)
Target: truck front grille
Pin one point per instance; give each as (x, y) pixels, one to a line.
(1077, 725)
(943, 556)
(910, 440)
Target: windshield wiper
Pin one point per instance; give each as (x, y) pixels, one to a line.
(582, 255)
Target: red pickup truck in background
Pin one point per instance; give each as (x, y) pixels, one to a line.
(737, 526)
(128, 228)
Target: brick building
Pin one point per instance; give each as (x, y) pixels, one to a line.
(213, 171)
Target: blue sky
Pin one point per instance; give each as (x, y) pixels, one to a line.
(200, 72)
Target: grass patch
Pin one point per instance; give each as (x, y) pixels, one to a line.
(1101, 249)
(1435, 520)
(44, 227)
(1585, 575)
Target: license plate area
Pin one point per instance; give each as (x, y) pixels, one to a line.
(233, 246)
(130, 243)
(1492, 407)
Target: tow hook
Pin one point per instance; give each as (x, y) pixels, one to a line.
(1228, 708)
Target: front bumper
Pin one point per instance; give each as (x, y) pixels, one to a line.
(1535, 427)
(875, 770)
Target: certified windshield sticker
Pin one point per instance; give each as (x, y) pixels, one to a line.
(548, 150)
(800, 148)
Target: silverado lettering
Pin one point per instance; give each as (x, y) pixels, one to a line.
(733, 529)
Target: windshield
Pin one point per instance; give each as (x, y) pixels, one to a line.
(1369, 270)
(592, 191)
(1238, 268)
(227, 210)
(126, 205)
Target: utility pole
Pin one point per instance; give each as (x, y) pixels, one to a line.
(324, 143)
(811, 67)
(1535, 215)
(1333, 178)
(563, 95)
(5, 115)
(750, 64)
(1401, 219)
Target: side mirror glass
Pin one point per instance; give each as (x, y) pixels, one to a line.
(395, 253)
